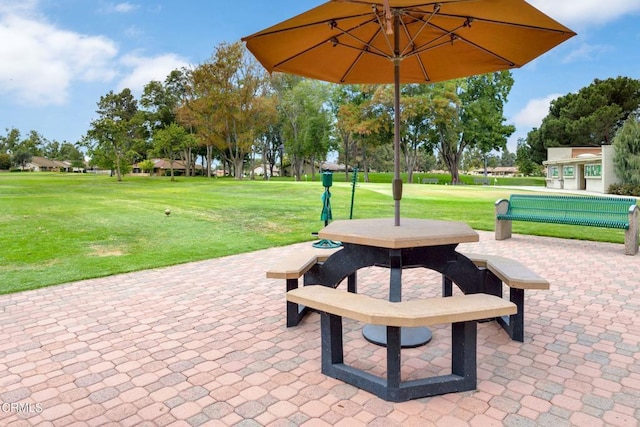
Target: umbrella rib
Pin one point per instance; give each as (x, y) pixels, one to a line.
(425, 23)
(509, 24)
(333, 39)
(455, 36)
(303, 26)
(361, 53)
(368, 45)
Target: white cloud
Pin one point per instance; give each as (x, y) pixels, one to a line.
(145, 69)
(39, 62)
(125, 7)
(588, 52)
(536, 109)
(582, 13)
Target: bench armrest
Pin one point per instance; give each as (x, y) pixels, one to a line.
(502, 206)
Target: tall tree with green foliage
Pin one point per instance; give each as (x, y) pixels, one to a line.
(470, 113)
(10, 142)
(589, 117)
(161, 102)
(221, 102)
(113, 134)
(626, 157)
(526, 165)
(5, 161)
(170, 141)
(305, 121)
(345, 114)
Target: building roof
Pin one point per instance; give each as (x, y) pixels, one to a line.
(47, 163)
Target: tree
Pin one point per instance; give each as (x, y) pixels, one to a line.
(416, 123)
(345, 114)
(112, 136)
(470, 113)
(626, 157)
(162, 102)
(9, 143)
(147, 165)
(526, 165)
(221, 103)
(589, 117)
(5, 161)
(267, 132)
(168, 142)
(20, 158)
(372, 128)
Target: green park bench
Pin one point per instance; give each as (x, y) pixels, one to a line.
(430, 181)
(591, 211)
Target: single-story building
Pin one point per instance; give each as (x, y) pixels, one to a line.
(162, 167)
(498, 171)
(581, 168)
(42, 164)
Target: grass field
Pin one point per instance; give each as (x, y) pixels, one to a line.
(57, 228)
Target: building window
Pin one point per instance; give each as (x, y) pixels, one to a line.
(553, 172)
(568, 171)
(593, 171)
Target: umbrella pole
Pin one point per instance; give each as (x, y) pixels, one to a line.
(397, 182)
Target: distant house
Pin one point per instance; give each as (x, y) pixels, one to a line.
(505, 171)
(41, 164)
(333, 167)
(162, 167)
(499, 171)
(259, 171)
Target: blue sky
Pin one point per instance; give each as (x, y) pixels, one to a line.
(57, 57)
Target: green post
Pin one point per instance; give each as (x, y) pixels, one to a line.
(327, 182)
(354, 181)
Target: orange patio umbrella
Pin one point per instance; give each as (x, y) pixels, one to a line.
(406, 41)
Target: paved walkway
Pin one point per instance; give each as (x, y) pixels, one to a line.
(205, 344)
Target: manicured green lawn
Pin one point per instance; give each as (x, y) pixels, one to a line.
(57, 228)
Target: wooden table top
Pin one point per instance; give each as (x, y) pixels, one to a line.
(411, 233)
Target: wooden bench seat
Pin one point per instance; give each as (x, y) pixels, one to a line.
(461, 311)
(513, 274)
(292, 267)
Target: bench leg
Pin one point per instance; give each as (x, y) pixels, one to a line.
(295, 312)
(393, 357)
(514, 324)
(332, 352)
(464, 337)
(503, 229)
(631, 234)
(352, 283)
(447, 286)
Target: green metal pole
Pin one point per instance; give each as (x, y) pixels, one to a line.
(354, 180)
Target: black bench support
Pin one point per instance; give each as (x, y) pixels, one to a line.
(296, 312)
(463, 375)
(513, 324)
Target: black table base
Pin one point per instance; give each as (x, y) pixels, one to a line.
(409, 337)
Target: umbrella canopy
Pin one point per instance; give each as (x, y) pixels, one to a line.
(406, 41)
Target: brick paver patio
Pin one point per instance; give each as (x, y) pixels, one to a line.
(206, 344)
